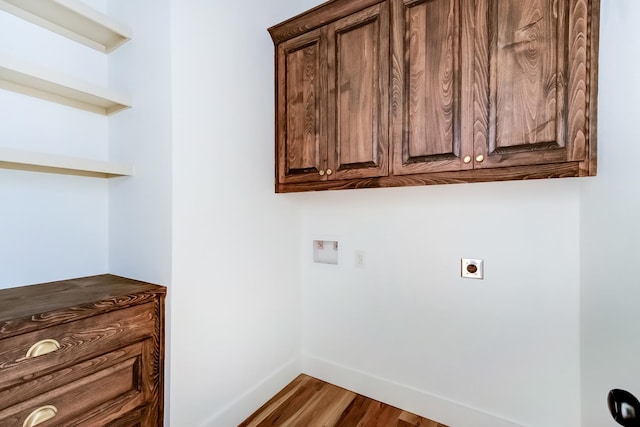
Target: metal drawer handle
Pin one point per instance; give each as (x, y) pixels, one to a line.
(40, 415)
(43, 347)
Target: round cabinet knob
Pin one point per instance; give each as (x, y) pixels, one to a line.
(329, 171)
(467, 159)
(321, 173)
(480, 158)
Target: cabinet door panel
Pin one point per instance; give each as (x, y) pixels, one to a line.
(526, 76)
(358, 84)
(526, 69)
(301, 109)
(427, 79)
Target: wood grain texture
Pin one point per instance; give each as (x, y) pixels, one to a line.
(78, 340)
(79, 398)
(309, 402)
(356, 99)
(553, 170)
(131, 418)
(317, 17)
(429, 76)
(526, 71)
(431, 36)
(358, 120)
(110, 362)
(10, 396)
(474, 86)
(531, 75)
(524, 77)
(301, 107)
(590, 166)
(582, 85)
(332, 114)
(29, 308)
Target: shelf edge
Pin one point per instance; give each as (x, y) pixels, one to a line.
(32, 80)
(74, 20)
(67, 165)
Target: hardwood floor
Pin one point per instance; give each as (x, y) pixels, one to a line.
(309, 402)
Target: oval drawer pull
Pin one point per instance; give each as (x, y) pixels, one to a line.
(40, 415)
(43, 347)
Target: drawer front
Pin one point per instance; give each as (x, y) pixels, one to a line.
(96, 399)
(77, 341)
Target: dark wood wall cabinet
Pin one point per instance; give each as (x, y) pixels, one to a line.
(82, 352)
(389, 93)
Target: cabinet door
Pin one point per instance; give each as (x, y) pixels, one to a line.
(301, 108)
(531, 82)
(431, 75)
(358, 68)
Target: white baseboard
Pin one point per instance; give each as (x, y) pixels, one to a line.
(242, 407)
(409, 399)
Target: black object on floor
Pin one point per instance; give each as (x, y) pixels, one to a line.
(624, 408)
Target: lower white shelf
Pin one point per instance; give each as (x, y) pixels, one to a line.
(53, 163)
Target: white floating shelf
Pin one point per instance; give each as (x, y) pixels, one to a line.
(42, 83)
(72, 19)
(53, 163)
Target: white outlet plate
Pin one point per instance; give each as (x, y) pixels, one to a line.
(472, 268)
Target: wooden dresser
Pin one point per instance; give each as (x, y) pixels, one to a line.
(82, 352)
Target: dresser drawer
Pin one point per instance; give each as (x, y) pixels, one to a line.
(95, 399)
(77, 341)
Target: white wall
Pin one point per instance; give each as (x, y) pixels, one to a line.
(140, 206)
(52, 226)
(408, 330)
(235, 291)
(610, 231)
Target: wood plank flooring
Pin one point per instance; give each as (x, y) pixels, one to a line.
(309, 402)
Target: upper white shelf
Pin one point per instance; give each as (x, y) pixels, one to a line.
(42, 83)
(53, 163)
(72, 19)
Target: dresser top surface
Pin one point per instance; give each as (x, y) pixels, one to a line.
(79, 297)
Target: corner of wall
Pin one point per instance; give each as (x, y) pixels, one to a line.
(243, 406)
